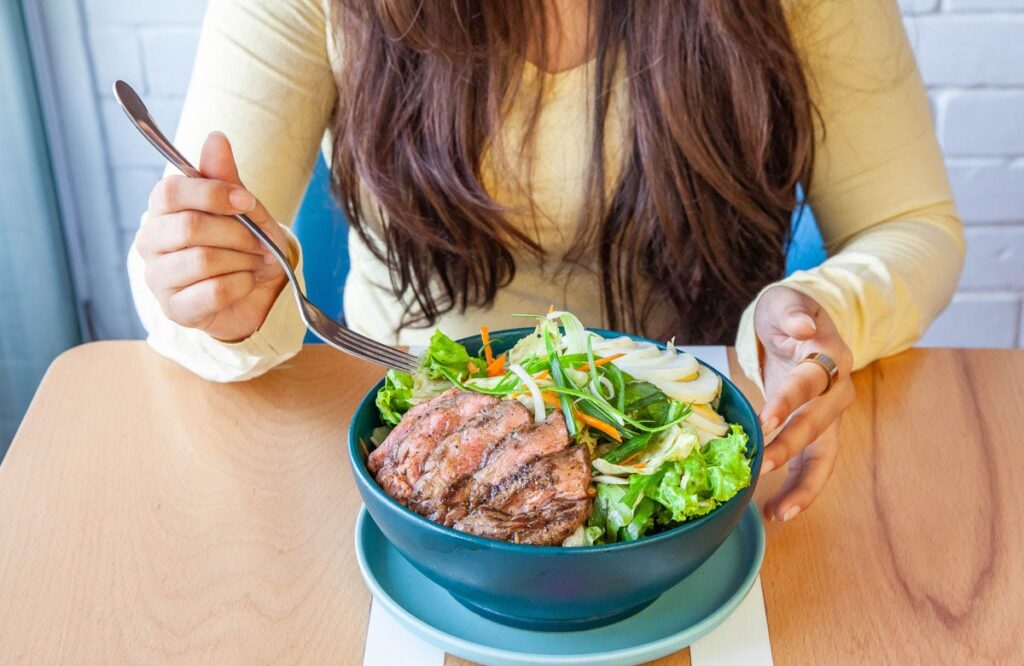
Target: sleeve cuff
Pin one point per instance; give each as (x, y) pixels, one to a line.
(276, 340)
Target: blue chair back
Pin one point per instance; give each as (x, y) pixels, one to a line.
(321, 228)
(806, 247)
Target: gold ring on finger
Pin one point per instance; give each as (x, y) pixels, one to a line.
(825, 363)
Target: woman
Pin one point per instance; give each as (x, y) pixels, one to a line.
(636, 163)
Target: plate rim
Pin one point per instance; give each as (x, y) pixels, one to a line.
(442, 639)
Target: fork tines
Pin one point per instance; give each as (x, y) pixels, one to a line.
(373, 351)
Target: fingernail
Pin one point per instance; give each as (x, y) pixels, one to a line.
(767, 467)
(242, 199)
(807, 319)
(790, 513)
(770, 424)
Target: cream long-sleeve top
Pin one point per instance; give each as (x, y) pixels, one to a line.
(264, 75)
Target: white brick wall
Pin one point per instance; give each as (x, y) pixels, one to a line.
(971, 54)
(151, 45)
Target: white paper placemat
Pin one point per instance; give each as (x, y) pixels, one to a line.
(390, 644)
(742, 640)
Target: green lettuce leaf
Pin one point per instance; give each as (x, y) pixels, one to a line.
(584, 536)
(646, 403)
(395, 398)
(444, 355)
(709, 476)
(642, 522)
(676, 491)
(617, 519)
(727, 465)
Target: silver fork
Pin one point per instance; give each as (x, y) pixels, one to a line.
(316, 320)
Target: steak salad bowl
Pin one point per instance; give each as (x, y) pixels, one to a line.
(543, 494)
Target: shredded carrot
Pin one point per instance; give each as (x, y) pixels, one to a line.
(551, 398)
(496, 367)
(601, 361)
(609, 359)
(543, 374)
(598, 424)
(551, 308)
(485, 338)
(471, 367)
(630, 459)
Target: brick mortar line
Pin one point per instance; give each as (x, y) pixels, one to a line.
(1015, 294)
(1004, 157)
(990, 226)
(983, 160)
(965, 87)
(155, 28)
(143, 24)
(999, 92)
(1000, 14)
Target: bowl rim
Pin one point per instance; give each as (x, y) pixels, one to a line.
(756, 439)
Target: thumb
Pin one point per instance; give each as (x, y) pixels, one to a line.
(217, 161)
(799, 323)
(789, 312)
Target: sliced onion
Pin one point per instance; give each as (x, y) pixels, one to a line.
(613, 480)
(578, 378)
(575, 339)
(538, 399)
(608, 346)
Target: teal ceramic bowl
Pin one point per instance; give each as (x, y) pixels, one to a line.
(544, 587)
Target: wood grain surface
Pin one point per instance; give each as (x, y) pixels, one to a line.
(149, 517)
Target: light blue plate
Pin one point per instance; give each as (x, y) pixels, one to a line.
(679, 617)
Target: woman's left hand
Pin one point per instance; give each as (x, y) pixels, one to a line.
(790, 326)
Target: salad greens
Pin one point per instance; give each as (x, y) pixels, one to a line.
(446, 357)
(653, 467)
(395, 398)
(678, 490)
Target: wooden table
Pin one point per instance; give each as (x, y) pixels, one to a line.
(147, 516)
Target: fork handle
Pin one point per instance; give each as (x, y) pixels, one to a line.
(138, 113)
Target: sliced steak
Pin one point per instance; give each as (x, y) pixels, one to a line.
(548, 527)
(516, 449)
(542, 502)
(481, 465)
(460, 453)
(398, 433)
(398, 462)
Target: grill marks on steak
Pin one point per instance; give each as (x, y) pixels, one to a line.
(517, 448)
(540, 503)
(459, 454)
(398, 462)
(483, 466)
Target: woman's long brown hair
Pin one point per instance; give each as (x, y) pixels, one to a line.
(719, 134)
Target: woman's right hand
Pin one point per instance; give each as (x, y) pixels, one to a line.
(205, 268)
